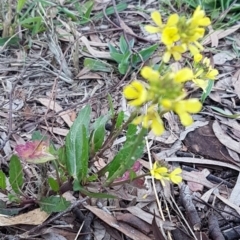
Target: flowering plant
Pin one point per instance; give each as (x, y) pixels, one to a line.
(163, 89)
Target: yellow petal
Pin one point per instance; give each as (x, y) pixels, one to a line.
(156, 17)
(204, 22)
(137, 120)
(201, 83)
(157, 127)
(150, 74)
(161, 170)
(166, 57)
(183, 75)
(177, 56)
(193, 105)
(173, 20)
(185, 119)
(194, 50)
(212, 74)
(197, 57)
(152, 29)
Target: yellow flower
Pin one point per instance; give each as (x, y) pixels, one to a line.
(170, 35)
(184, 107)
(199, 19)
(156, 17)
(159, 173)
(175, 51)
(183, 75)
(197, 57)
(150, 74)
(152, 120)
(174, 175)
(204, 72)
(136, 93)
(212, 73)
(172, 20)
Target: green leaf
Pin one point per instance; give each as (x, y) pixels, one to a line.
(99, 132)
(54, 204)
(110, 102)
(112, 48)
(208, 91)
(53, 183)
(97, 65)
(2, 180)
(77, 145)
(123, 45)
(89, 10)
(20, 5)
(120, 119)
(62, 155)
(15, 174)
(118, 57)
(9, 41)
(131, 151)
(225, 114)
(145, 53)
(123, 67)
(37, 135)
(110, 10)
(78, 187)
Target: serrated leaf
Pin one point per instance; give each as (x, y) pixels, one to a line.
(145, 54)
(2, 180)
(131, 151)
(120, 119)
(15, 174)
(97, 65)
(77, 145)
(54, 204)
(78, 187)
(53, 183)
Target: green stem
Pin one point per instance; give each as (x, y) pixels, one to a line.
(128, 180)
(123, 167)
(112, 137)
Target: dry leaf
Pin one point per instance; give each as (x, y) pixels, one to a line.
(221, 34)
(34, 217)
(122, 227)
(224, 138)
(56, 107)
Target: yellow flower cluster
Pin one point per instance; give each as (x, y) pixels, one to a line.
(180, 34)
(163, 93)
(203, 71)
(162, 173)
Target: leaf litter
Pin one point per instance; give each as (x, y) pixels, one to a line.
(47, 84)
